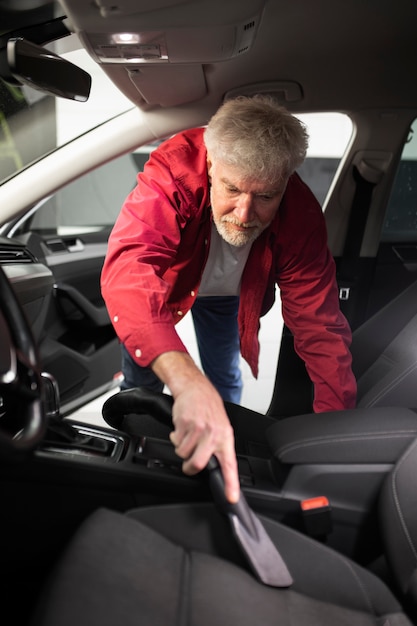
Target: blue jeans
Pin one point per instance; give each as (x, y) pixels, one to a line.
(216, 329)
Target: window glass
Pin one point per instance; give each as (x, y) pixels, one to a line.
(90, 203)
(401, 217)
(329, 135)
(93, 201)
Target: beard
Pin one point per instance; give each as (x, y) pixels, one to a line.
(235, 237)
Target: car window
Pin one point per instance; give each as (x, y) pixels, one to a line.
(93, 201)
(400, 224)
(395, 267)
(90, 203)
(329, 135)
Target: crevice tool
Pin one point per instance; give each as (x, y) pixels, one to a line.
(261, 554)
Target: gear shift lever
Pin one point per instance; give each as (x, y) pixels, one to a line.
(61, 431)
(50, 395)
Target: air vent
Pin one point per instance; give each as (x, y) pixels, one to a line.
(249, 25)
(246, 35)
(11, 254)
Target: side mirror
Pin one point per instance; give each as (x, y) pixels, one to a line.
(28, 64)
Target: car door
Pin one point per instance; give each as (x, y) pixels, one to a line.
(67, 233)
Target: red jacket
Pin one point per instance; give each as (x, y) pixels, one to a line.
(158, 248)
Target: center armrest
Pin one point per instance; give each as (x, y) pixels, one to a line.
(365, 435)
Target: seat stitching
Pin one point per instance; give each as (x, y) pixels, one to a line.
(389, 387)
(344, 561)
(397, 499)
(316, 441)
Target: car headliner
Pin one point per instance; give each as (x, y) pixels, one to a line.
(339, 55)
(343, 55)
(357, 57)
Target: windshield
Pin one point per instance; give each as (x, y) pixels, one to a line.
(33, 124)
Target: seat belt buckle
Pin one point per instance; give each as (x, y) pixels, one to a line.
(344, 293)
(317, 516)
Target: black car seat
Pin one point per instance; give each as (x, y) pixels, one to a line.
(178, 565)
(384, 354)
(384, 361)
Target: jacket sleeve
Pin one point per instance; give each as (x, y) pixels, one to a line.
(141, 247)
(310, 307)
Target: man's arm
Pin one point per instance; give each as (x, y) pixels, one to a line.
(322, 336)
(202, 427)
(310, 299)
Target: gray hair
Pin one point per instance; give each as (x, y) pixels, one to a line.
(257, 136)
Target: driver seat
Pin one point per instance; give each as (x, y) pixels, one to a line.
(178, 564)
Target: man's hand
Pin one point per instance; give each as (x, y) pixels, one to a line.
(202, 427)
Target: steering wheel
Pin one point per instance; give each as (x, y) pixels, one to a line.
(22, 417)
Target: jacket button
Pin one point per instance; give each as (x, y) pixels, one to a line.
(116, 318)
(179, 313)
(138, 352)
(193, 293)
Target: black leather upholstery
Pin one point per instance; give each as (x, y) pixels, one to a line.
(374, 435)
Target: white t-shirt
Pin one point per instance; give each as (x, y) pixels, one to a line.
(224, 268)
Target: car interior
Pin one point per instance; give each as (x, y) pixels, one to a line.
(99, 524)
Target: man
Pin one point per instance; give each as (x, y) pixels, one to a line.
(222, 212)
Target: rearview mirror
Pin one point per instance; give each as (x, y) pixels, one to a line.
(45, 71)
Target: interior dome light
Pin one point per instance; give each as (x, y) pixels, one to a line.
(125, 38)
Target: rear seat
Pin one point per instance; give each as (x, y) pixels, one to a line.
(384, 351)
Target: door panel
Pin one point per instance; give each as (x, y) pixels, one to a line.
(67, 234)
(77, 343)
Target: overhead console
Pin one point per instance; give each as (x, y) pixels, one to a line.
(165, 31)
(164, 42)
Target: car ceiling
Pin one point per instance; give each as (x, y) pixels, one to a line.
(321, 55)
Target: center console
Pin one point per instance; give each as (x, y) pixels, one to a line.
(322, 476)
